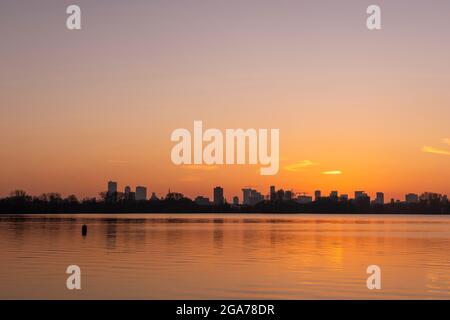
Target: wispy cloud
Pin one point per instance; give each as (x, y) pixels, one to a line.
(300, 166)
(434, 150)
(332, 172)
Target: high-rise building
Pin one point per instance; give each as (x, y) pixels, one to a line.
(141, 193)
(128, 195)
(343, 197)
(379, 198)
(288, 195)
(361, 198)
(218, 196)
(202, 201)
(317, 195)
(251, 197)
(235, 201)
(280, 194)
(430, 197)
(359, 194)
(334, 194)
(411, 198)
(112, 187)
(273, 193)
(246, 196)
(302, 199)
(256, 197)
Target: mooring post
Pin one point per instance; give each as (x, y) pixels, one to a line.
(84, 230)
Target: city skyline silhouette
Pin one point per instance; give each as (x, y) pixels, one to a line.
(252, 201)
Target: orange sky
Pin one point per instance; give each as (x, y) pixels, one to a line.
(78, 108)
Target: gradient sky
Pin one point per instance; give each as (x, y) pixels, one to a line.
(78, 108)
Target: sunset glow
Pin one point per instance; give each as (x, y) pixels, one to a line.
(355, 109)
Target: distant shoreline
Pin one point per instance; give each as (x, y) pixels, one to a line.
(54, 204)
(223, 213)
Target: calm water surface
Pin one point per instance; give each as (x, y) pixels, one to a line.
(225, 256)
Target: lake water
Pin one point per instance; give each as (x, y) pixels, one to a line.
(143, 256)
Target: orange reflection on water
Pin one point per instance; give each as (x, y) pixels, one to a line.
(225, 256)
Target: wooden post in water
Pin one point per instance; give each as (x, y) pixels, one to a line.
(84, 230)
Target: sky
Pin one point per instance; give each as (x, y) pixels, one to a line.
(81, 107)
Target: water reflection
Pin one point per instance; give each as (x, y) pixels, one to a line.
(225, 256)
(218, 233)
